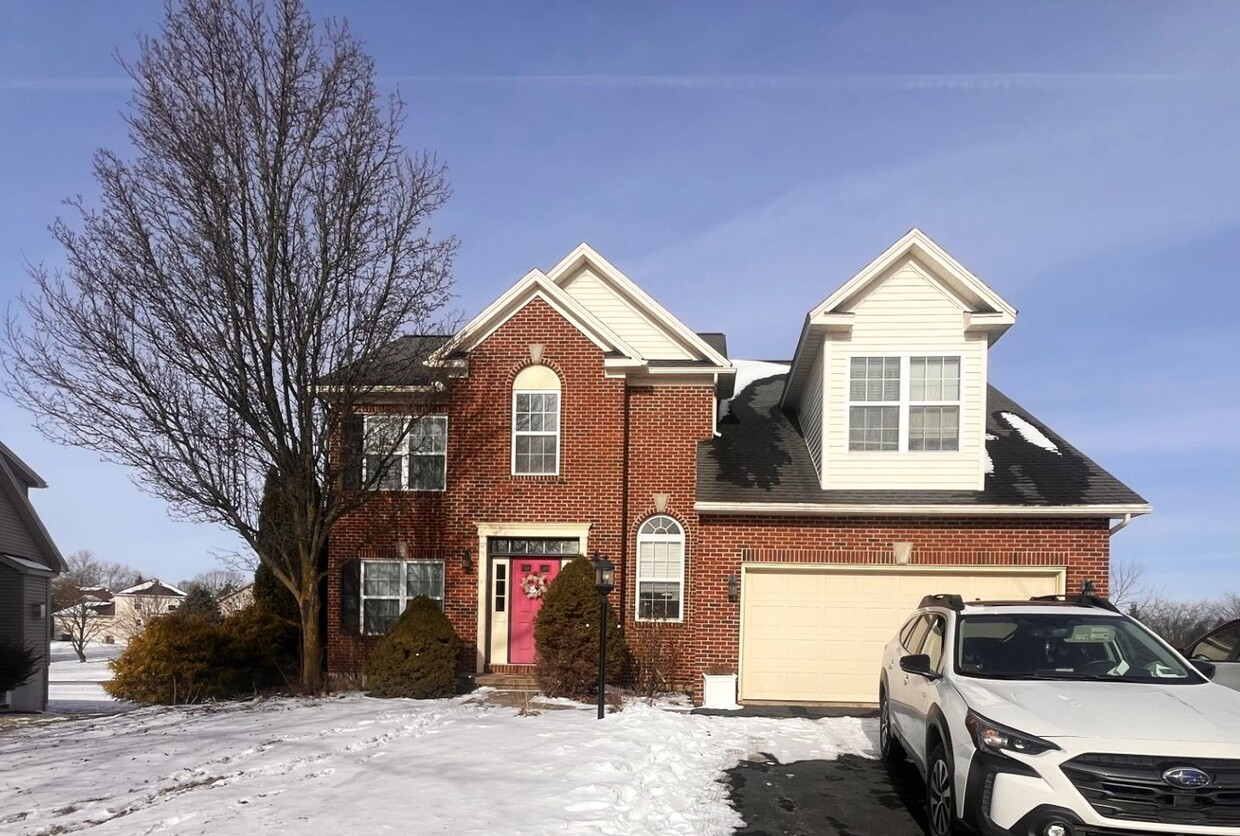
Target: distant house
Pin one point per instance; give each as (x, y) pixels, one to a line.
(237, 600)
(138, 604)
(28, 562)
(91, 616)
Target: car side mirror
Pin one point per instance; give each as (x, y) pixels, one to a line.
(1204, 667)
(918, 663)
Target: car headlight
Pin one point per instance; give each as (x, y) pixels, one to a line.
(993, 737)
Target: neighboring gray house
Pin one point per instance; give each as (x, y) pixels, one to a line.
(28, 562)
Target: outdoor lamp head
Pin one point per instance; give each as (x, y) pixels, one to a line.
(604, 574)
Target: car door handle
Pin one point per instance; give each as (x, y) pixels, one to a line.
(906, 679)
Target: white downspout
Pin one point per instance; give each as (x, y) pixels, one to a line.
(1120, 526)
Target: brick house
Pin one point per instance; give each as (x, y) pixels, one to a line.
(774, 521)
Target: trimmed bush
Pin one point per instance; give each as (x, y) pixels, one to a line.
(18, 664)
(418, 658)
(566, 636)
(270, 648)
(187, 658)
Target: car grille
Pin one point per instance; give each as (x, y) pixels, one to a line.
(1131, 788)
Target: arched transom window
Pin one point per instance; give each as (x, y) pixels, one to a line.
(536, 422)
(660, 570)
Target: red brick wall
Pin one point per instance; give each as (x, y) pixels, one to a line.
(665, 426)
(1080, 544)
(481, 488)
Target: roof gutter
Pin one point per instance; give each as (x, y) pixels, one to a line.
(870, 509)
(1120, 526)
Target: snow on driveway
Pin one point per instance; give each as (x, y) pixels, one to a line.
(356, 765)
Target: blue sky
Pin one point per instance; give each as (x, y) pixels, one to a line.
(740, 161)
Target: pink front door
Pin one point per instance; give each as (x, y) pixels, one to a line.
(524, 609)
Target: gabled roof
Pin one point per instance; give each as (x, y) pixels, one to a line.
(20, 469)
(984, 310)
(16, 478)
(585, 255)
(760, 460)
(704, 350)
(154, 587)
(536, 285)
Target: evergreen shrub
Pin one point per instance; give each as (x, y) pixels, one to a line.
(418, 658)
(566, 636)
(18, 664)
(188, 658)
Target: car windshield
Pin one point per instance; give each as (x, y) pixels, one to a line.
(1068, 646)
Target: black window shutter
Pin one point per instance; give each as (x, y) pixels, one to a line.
(352, 437)
(351, 597)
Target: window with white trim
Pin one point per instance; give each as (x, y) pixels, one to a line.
(904, 403)
(418, 461)
(389, 585)
(536, 422)
(660, 570)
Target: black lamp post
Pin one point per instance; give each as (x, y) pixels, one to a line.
(604, 582)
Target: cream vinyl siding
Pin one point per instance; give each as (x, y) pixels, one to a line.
(630, 325)
(906, 314)
(816, 634)
(809, 413)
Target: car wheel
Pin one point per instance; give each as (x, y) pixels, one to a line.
(889, 746)
(940, 794)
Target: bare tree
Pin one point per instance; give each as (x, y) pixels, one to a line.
(1179, 622)
(86, 572)
(1126, 581)
(241, 286)
(84, 620)
(218, 581)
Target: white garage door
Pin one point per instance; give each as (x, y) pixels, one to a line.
(814, 634)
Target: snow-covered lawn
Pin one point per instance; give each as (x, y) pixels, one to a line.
(77, 687)
(356, 765)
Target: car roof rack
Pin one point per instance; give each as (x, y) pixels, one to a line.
(1082, 600)
(943, 599)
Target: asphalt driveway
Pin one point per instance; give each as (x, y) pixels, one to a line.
(849, 796)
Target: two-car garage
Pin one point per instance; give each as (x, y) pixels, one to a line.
(816, 633)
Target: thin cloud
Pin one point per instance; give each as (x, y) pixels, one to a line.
(66, 85)
(917, 83)
(924, 82)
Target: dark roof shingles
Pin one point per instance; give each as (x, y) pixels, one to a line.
(760, 455)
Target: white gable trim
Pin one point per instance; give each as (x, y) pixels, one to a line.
(915, 243)
(641, 301)
(535, 285)
(986, 311)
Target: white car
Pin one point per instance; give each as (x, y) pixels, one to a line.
(1058, 717)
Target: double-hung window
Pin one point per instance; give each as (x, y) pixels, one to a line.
(934, 403)
(660, 570)
(389, 585)
(904, 403)
(403, 453)
(536, 422)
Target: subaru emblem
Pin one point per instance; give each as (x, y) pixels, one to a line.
(1188, 777)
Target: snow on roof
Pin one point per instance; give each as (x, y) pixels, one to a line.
(749, 372)
(152, 587)
(1029, 432)
(990, 465)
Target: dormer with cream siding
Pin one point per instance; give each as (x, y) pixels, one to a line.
(889, 379)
